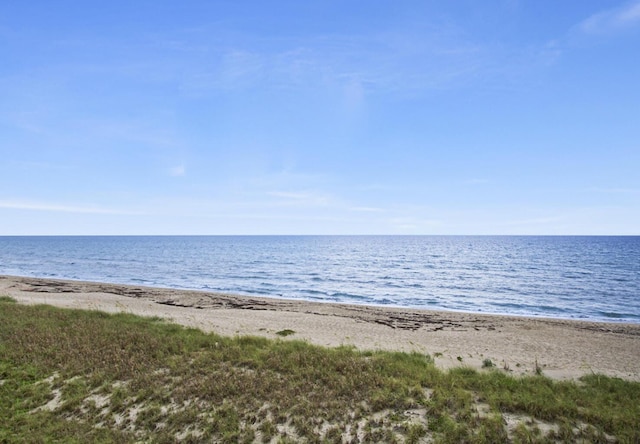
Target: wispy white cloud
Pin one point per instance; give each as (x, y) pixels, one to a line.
(368, 209)
(232, 69)
(34, 165)
(407, 58)
(534, 221)
(140, 132)
(284, 179)
(308, 198)
(379, 187)
(240, 68)
(476, 182)
(411, 224)
(289, 195)
(612, 20)
(177, 171)
(62, 208)
(616, 190)
(24, 120)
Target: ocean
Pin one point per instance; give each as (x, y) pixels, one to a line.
(569, 277)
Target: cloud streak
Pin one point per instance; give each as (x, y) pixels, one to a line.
(178, 171)
(616, 190)
(59, 208)
(310, 199)
(406, 59)
(612, 20)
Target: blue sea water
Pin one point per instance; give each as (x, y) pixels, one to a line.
(595, 278)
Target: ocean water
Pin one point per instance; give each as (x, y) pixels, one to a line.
(594, 278)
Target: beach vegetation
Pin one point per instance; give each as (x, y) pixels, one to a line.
(487, 363)
(86, 376)
(537, 368)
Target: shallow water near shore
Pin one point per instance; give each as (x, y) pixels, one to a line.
(574, 277)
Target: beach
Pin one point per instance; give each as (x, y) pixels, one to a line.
(561, 349)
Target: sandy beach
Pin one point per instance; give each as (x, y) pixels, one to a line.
(563, 349)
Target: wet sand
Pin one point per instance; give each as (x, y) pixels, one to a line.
(563, 349)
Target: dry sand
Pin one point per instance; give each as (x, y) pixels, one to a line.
(562, 349)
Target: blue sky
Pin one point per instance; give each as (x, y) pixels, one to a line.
(320, 117)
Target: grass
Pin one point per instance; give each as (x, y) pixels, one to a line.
(87, 376)
(487, 363)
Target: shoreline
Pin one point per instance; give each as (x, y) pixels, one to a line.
(562, 349)
(279, 298)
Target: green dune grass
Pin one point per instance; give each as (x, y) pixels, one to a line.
(87, 376)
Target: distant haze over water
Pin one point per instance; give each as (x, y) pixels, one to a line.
(592, 278)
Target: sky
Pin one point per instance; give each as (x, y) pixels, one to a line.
(320, 117)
